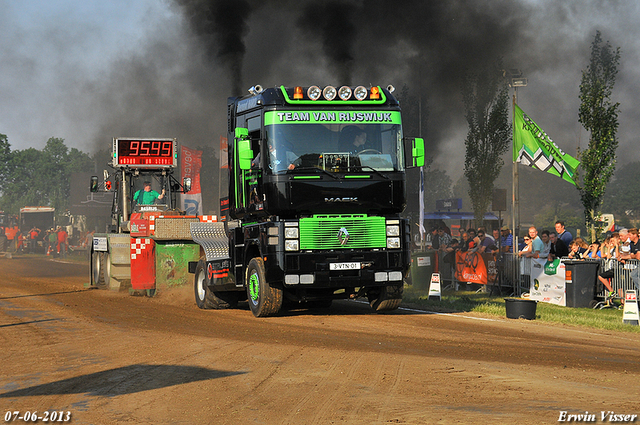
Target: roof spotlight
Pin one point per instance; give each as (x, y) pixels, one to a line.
(329, 92)
(391, 88)
(344, 92)
(360, 93)
(255, 90)
(314, 92)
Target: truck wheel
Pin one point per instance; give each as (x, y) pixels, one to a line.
(97, 265)
(264, 300)
(386, 298)
(208, 299)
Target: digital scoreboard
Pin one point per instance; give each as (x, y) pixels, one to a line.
(149, 153)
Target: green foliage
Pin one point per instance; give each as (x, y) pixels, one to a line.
(485, 96)
(599, 116)
(621, 198)
(39, 178)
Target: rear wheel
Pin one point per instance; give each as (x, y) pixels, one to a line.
(264, 300)
(208, 299)
(385, 298)
(97, 266)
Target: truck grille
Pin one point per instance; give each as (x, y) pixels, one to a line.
(321, 232)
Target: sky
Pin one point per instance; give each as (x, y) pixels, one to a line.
(90, 70)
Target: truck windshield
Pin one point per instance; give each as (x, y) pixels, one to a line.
(336, 147)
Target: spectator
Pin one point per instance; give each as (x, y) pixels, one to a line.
(33, 239)
(434, 238)
(576, 250)
(506, 239)
(563, 233)
(544, 236)
(558, 248)
(444, 239)
(610, 248)
(634, 246)
(450, 252)
(464, 244)
(486, 244)
(536, 244)
(527, 241)
(53, 241)
(593, 251)
(63, 242)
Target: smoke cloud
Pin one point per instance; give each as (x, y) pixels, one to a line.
(174, 78)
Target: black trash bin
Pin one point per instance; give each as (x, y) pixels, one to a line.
(581, 277)
(422, 266)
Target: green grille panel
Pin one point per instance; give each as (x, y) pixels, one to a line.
(321, 232)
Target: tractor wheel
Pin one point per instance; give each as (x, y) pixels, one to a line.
(385, 298)
(97, 269)
(264, 300)
(208, 299)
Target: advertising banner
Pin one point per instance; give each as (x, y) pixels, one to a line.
(548, 281)
(190, 164)
(474, 267)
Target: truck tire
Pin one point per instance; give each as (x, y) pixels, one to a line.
(386, 298)
(208, 299)
(264, 300)
(97, 269)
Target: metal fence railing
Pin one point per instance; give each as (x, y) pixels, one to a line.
(515, 275)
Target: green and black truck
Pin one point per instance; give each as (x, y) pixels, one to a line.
(316, 188)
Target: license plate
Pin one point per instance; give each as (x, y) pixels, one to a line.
(344, 266)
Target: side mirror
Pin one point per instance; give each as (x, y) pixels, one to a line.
(243, 146)
(93, 187)
(186, 184)
(417, 152)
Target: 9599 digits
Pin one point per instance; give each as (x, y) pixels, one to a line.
(47, 416)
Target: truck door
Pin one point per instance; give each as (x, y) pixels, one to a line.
(248, 172)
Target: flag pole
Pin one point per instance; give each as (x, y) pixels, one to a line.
(515, 196)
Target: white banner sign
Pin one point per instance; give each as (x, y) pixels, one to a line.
(548, 281)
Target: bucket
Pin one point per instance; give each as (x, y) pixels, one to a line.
(518, 308)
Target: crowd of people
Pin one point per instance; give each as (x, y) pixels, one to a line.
(55, 241)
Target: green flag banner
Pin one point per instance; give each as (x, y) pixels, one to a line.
(532, 147)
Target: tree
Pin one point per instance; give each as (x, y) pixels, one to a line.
(485, 96)
(5, 157)
(599, 116)
(45, 181)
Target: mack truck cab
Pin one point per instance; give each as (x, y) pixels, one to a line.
(316, 188)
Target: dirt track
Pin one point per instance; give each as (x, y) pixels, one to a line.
(111, 358)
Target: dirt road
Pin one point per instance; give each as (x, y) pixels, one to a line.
(108, 358)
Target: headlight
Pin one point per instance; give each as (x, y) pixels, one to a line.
(393, 242)
(329, 92)
(393, 230)
(344, 92)
(291, 232)
(314, 92)
(360, 93)
(292, 244)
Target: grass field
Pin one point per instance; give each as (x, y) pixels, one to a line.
(494, 305)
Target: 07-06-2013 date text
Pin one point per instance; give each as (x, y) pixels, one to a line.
(47, 416)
